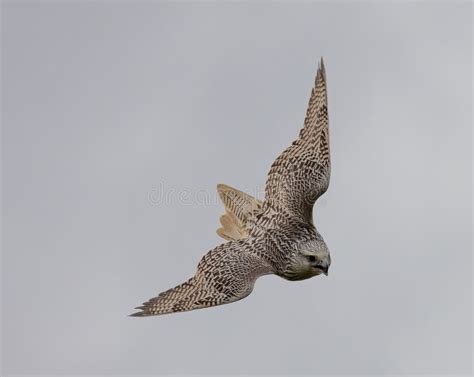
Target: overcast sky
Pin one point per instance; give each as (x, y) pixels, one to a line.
(119, 120)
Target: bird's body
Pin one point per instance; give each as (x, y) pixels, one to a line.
(276, 236)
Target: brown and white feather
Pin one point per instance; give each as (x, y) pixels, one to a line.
(264, 236)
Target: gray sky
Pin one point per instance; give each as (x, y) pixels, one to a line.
(119, 120)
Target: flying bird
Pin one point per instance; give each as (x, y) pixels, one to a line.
(273, 236)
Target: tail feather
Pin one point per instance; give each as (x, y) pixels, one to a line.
(231, 228)
(240, 212)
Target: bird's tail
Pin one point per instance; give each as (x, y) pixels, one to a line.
(240, 211)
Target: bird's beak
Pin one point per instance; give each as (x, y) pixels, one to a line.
(326, 270)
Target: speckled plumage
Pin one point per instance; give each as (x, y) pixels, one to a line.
(276, 236)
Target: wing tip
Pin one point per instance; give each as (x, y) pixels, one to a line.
(138, 314)
(321, 74)
(143, 310)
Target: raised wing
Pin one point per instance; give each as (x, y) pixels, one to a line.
(224, 275)
(301, 173)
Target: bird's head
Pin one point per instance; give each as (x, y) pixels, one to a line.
(310, 258)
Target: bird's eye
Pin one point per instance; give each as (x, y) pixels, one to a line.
(312, 258)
